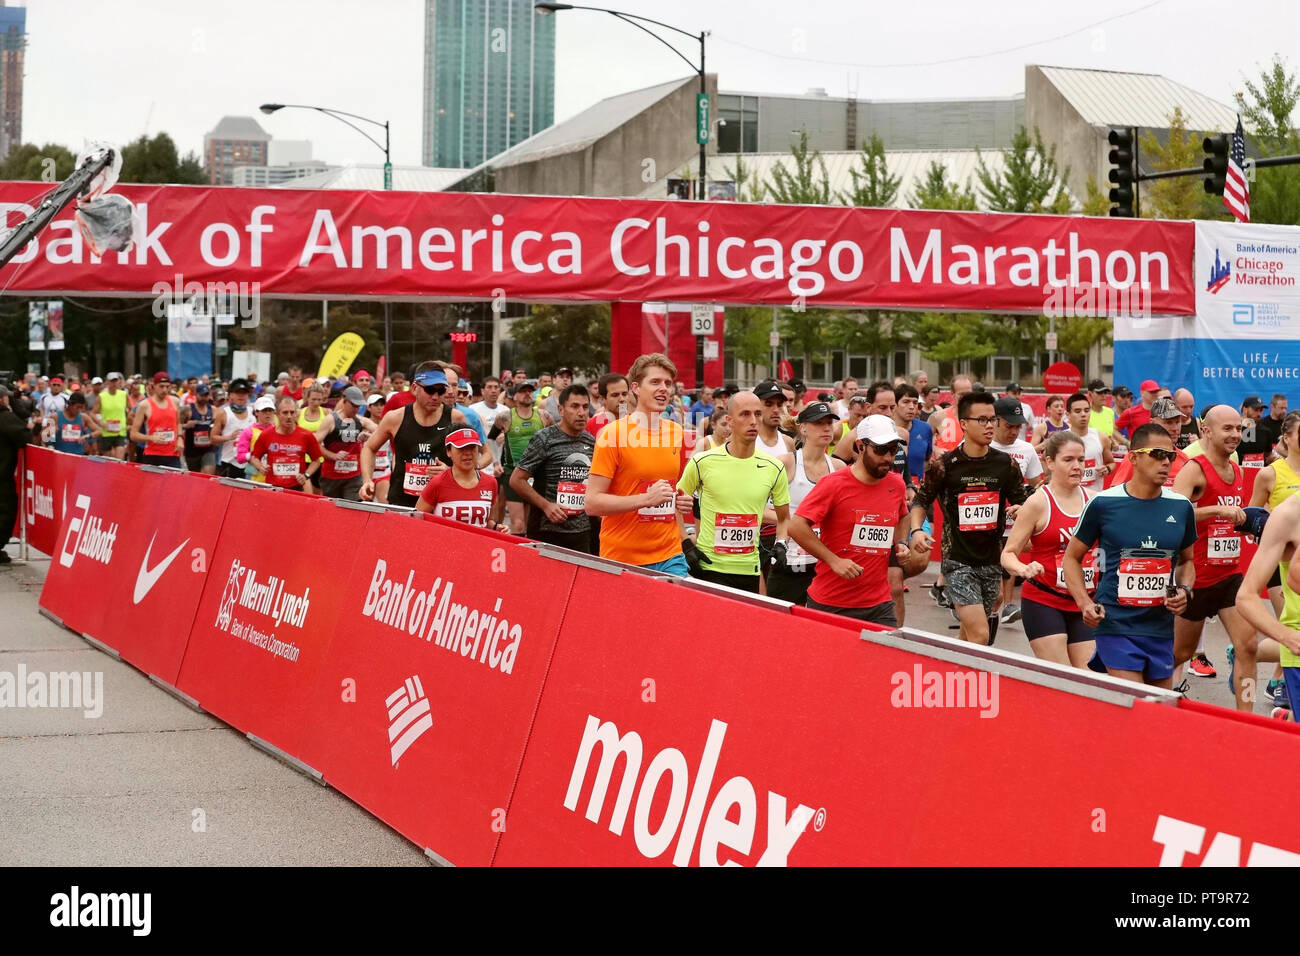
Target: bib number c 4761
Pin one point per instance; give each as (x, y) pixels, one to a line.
(1142, 581)
(978, 510)
(734, 534)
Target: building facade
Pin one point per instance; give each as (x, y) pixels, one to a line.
(489, 78)
(13, 42)
(235, 141)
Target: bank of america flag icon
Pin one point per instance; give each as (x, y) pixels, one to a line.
(408, 716)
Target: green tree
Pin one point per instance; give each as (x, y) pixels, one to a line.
(1268, 106)
(1029, 180)
(1077, 335)
(1097, 202)
(952, 337)
(749, 188)
(807, 184)
(746, 332)
(156, 161)
(559, 335)
(1183, 197)
(806, 333)
(872, 184)
(29, 162)
(936, 192)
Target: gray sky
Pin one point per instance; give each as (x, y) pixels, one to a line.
(111, 71)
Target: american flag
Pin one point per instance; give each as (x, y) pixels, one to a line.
(1236, 191)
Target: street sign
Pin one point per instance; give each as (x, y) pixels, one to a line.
(710, 350)
(701, 118)
(1051, 341)
(388, 175)
(223, 346)
(703, 320)
(774, 340)
(225, 318)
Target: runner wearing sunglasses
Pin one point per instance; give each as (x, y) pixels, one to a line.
(852, 521)
(977, 488)
(1144, 533)
(1169, 417)
(418, 432)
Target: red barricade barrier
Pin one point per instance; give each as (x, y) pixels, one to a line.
(431, 681)
(269, 609)
(46, 474)
(125, 570)
(588, 717)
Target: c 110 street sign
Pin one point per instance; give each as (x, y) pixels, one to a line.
(702, 118)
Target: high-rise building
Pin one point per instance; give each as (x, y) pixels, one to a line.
(13, 40)
(235, 141)
(489, 78)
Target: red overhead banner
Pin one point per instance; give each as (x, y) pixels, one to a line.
(341, 244)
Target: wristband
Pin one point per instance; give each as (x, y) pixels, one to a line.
(915, 531)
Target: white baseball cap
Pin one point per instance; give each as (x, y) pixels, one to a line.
(96, 381)
(265, 402)
(877, 429)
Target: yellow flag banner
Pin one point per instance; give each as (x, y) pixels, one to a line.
(340, 355)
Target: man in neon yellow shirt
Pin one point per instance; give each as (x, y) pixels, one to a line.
(734, 483)
(1102, 416)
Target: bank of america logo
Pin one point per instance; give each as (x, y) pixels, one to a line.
(408, 716)
(1220, 273)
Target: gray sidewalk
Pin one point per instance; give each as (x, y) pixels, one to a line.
(150, 781)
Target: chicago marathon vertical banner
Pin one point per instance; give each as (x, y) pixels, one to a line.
(1245, 336)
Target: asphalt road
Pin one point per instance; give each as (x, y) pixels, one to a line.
(150, 781)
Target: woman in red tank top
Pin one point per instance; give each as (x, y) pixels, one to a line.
(1052, 620)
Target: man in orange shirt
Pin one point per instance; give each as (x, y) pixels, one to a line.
(634, 472)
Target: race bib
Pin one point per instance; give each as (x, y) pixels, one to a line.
(797, 557)
(1252, 461)
(416, 477)
(872, 533)
(114, 425)
(660, 512)
(1223, 545)
(165, 437)
(202, 439)
(978, 510)
(346, 466)
(1142, 581)
(1089, 573)
(70, 433)
(571, 496)
(734, 534)
(286, 469)
(1089, 471)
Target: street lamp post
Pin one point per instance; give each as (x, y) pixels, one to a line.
(269, 108)
(702, 101)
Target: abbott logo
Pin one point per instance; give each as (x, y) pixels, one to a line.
(230, 596)
(92, 538)
(408, 716)
(40, 501)
(683, 816)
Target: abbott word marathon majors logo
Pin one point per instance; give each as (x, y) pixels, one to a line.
(433, 615)
(265, 599)
(408, 716)
(87, 535)
(688, 821)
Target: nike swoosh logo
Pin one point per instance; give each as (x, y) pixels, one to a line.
(762, 466)
(148, 577)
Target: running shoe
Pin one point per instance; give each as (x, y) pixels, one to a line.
(1270, 690)
(1281, 696)
(1182, 688)
(1200, 666)
(1280, 713)
(941, 596)
(1010, 614)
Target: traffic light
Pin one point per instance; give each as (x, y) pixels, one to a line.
(1123, 172)
(1216, 163)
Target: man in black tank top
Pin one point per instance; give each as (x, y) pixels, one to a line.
(196, 423)
(418, 432)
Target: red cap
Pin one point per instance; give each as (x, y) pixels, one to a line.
(359, 373)
(56, 379)
(161, 377)
(1149, 386)
(463, 438)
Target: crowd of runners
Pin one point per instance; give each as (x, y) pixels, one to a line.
(1123, 521)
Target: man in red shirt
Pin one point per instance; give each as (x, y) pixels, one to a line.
(613, 392)
(293, 387)
(282, 453)
(1131, 419)
(861, 515)
(461, 493)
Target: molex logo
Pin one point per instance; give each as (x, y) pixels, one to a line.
(683, 817)
(92, 539)
(40, 500)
